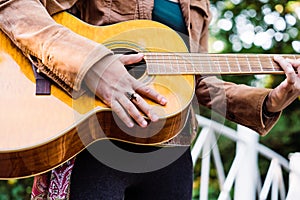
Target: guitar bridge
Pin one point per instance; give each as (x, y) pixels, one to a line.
(43, 84)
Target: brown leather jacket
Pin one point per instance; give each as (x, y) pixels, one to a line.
(47, 44)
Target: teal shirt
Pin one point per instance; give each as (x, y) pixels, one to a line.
(170, 14)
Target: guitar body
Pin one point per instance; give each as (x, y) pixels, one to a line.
(39, 133)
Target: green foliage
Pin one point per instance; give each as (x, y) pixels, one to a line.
(15, 189)
(277, 23)
(285, 137)
(255, 26)
(260, 27)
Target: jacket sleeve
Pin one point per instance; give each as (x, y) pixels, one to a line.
(239, 103)
(61, 54)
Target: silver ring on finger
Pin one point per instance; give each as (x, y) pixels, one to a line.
(131, 96)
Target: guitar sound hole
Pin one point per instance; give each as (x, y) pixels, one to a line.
(137, 70)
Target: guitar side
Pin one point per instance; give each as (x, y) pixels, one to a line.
(38, 133)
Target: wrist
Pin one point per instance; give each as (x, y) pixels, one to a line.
(265, 112)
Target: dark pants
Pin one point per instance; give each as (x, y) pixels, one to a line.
(154, 178)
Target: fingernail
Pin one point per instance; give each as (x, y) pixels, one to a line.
(144, 123)
(163, 101)
(130, 124)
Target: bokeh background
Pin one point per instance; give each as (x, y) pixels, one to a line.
(266, 27)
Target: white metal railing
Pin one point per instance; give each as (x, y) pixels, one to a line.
(244, 174)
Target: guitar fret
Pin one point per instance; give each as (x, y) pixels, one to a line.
(169, 66)
(215, 66)
(165, 66)
(185, 67)
(177, 62)
(184, 63)
(156, 63)
(190, 64)
(271, 61)
(243, 64)
(173, 64)
(208, 65)
(217, 62)
(205, 64)
(228, 65)
(238, 64)
(201, 62)
(261, 68)
(154, 68)
(294, 57)
(194, 63)
(249, 66)
(187, 63)
(197, 66)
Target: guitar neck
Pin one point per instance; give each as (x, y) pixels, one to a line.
(212, 64)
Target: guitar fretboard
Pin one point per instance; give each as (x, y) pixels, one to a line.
(195, 63)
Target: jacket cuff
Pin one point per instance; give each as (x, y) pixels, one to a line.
(267, 120)
(96, 55)
(97, 71)
(67, 59)
(239, 103)
(70, 56)
(261, 124)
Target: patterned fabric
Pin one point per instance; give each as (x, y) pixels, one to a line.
(40, 187)
(53, 185)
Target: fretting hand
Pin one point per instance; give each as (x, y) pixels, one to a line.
(285, 93)
(122, 92)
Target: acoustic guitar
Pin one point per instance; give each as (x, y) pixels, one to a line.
(38, 133)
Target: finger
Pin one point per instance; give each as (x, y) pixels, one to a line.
(288, 69)
(294, 62)
(131, 58)
(151, 94)
(133, 111)
(121, 113)
(145, 107)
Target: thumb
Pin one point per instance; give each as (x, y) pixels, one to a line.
(131, 58)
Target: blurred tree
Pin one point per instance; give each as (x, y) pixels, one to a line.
(15, 189)
(260, 27)
(266, 27)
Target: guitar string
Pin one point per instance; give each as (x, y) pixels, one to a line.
(221, 64)
(243, 63)
(209, 55)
